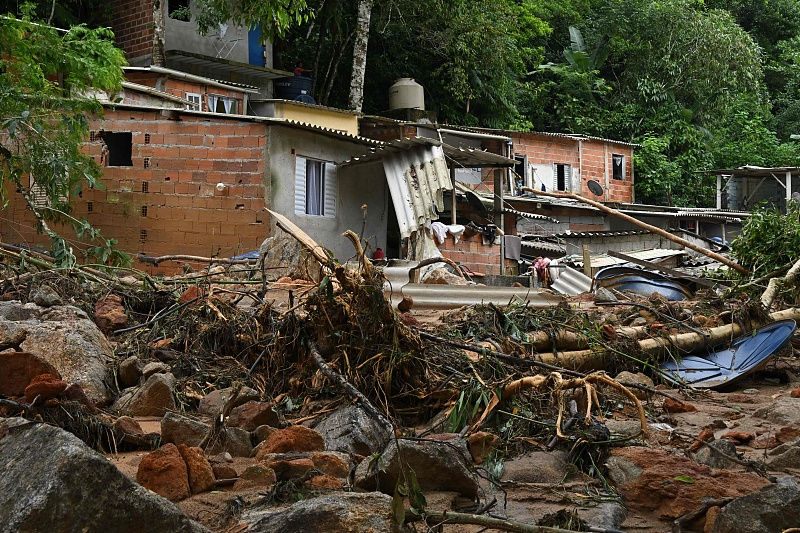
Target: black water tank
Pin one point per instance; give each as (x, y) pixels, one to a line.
(295, 88)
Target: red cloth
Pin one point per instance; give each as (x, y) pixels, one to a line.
(378, 254)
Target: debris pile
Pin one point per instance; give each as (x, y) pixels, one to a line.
(248, 401)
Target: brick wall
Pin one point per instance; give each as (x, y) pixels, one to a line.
(132, 22)
(472, 253)
(179, 88)
(593, 160)
(172, 206)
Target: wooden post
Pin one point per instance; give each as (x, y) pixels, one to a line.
(453, 200)
(587, 261)
(788, 188)
(719, 191)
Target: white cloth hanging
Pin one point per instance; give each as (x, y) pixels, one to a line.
(228, 102)
(439, 231)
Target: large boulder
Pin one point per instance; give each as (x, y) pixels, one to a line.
(67, 339)
(152, 398)
(212, 403)
(164, 472)
(352, 430)
(291, 439)
(17, 370)
(342, 511)
(437, 465)
(769, 510)
(179, 429)
(251, 415)
(53, 482)
(201, 474)
(785, 410)
(671, 485)
(538, 467)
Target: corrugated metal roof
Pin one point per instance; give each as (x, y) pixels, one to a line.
(194, 77)
(306, 104)
(462, 156)
(569, 281)
(571, 136)
(602, 260)
(591, 234)
(532, 216)
(271, 121)
(154, 92)
(544, 245)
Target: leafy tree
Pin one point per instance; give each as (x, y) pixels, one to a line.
(769, 239)
(274, 16)
(46, 78)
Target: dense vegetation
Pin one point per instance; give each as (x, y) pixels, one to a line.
(699, 84)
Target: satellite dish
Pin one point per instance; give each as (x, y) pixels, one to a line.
(595, 187)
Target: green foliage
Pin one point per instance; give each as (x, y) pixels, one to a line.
(274, 16)
(471, 402)
(769, 239)
(46, 82)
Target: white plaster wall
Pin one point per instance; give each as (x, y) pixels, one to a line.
(363, 184)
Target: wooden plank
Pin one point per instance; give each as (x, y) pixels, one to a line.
(660, 268)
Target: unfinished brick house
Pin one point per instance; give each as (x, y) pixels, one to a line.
(181, 181)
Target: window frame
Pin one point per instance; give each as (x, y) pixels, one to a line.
(221, 98)
(194, 106)
(567, 178)
(614, 167)
(322, 187)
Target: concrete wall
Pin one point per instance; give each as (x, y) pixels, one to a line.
(326, 118)
(167, 201)
(227, 43)
(363, 184)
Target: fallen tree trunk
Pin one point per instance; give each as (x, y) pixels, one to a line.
(775, 285)
(568, 340)
(652, 229)
(682, 342)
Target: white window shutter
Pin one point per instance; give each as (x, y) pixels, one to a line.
(568, 185)
(300, 185)
(331, 189)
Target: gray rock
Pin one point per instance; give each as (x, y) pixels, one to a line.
(53, 482)
(785, 410)
(624, 428)
(352, 430)
(129, 372)
(629, 378)
(770, 509)
(66, 338)
(179, 429)
(235, 441)
(621, 470)
(213, 402)
(262, 432)
(341, 511)
(155, 367)
(538, 467)
(46, 296)
(708, 455)
(607, 515)
(601, 294)
(788, 459)
(437, 465)
(152, 398)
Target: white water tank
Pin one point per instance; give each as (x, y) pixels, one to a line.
(405, 93)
